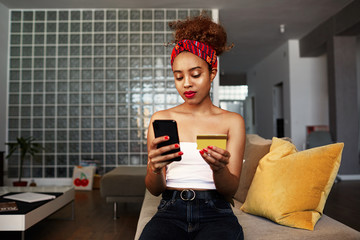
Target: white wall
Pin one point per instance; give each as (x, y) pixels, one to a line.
(4, 29)
(305, 91)
(308, 93)
(271, 71)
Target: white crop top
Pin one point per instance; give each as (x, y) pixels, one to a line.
(191, 172)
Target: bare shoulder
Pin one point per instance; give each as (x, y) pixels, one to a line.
(232, 117)
(158, 115)
(163, 114)
(234, 122)
(235, 127)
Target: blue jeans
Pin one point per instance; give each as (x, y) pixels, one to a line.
(197, 219)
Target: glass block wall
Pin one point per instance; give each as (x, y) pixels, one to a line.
(85, 83)
(238, 92)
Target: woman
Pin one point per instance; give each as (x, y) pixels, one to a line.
(194, 190)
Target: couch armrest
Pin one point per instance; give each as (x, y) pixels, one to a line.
(148, 210)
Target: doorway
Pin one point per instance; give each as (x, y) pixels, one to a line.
(278, 111)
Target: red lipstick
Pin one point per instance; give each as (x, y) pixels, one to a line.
(189, 94)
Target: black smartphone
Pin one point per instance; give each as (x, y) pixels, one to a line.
(167, 128)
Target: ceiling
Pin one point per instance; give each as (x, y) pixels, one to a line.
(252, 25)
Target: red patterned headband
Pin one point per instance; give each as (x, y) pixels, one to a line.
(199, 49)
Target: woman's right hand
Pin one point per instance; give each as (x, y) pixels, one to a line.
(156, 160)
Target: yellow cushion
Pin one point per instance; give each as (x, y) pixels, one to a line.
(290, 187)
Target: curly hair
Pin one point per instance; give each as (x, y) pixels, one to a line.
(201, 28)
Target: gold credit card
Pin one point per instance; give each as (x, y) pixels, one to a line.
(205, 140)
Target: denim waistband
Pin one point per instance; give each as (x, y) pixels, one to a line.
(190, 194)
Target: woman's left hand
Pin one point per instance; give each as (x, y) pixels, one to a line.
(217, 158)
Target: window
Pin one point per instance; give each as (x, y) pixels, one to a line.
(85, 83)
(232, 98)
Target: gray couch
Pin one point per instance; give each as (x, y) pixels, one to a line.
(254, 227)
(123, 184)
(258, 228)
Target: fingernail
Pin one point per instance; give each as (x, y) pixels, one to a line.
(210, 147)
(205, 150)
(177, 145)
(201, 152)
(166, 137)
(180, 153)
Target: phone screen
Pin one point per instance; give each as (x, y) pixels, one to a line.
(167, 128)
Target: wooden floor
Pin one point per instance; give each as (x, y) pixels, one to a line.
(343, 203)
(93, 216)
(93, 220)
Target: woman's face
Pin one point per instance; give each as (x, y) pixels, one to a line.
(192, 77)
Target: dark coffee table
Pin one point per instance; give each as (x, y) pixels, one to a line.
(13, 221)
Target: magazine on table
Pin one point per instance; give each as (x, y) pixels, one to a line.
(8, 206)
(30, 197)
